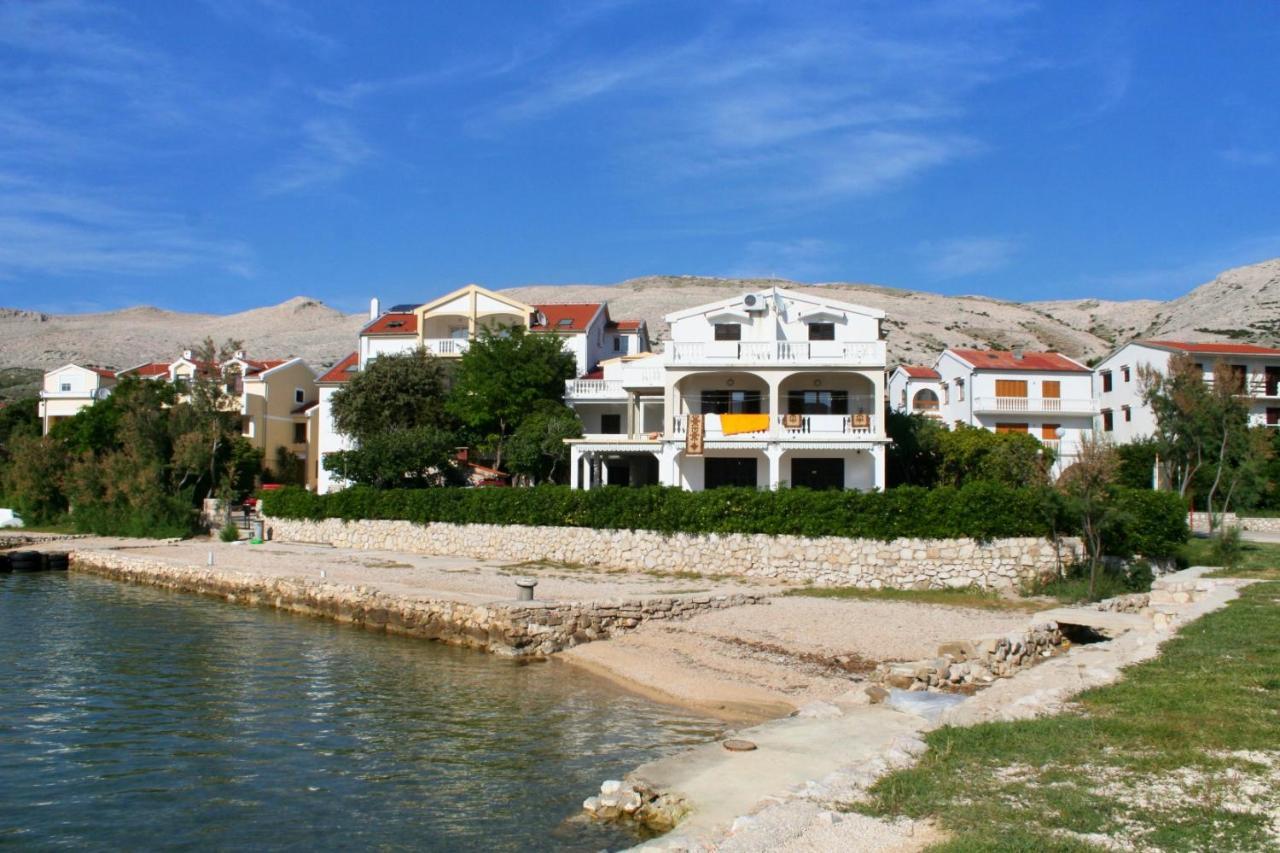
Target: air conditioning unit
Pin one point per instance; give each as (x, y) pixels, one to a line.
(753, 302)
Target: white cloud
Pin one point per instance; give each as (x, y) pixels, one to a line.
(328, 151)
(802, 259)
(65, 232)
(966, 256)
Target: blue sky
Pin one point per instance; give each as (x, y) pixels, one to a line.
(227, 154)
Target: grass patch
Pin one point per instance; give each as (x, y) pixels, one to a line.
(1183, 754)
(972, 597)
(1257, 559)
(65, 528)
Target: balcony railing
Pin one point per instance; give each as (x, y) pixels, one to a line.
(594, 389)
(1035, 405)
(847, 354)
(641, 377)
(446, 346)
(789, 426)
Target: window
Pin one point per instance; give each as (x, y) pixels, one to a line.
(1011, 428)
(1128, 414)
(1106, 381)
(66, 386)
(818, 402)
(1108, 421)
(617, 344)
(1273, 381)
(729, 471)
(300, 433)
(246, 426)
(611, 424)
(728, 332)
(1051, 389)
(946, 393)
(299, 396)
(1239, 374)
(960, 390)
(1049, 432)
(731, 402)
(1011, 388)
(1124, 373)
(1273, 417)
(822, 331)
(564, 322)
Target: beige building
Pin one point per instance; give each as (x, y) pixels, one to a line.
(70, 388)
(275, 399)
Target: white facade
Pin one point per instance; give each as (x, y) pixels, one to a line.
(446, 327)
(1046, 395)
(915, 390)
(1124, 416)
(788, 389)
(70, 388)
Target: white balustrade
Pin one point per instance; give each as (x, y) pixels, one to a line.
(446, 346)
(852, 353)
(594, 389)
(1035, 405)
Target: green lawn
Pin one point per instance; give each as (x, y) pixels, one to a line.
(1260, 559)
(1183, 754)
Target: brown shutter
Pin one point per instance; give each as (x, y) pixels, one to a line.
(1052, 389)
(1003, 428)
(1011, 388)
(1049, 432)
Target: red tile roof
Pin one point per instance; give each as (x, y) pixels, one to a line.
(983, 359)
(103, 372)
(918, 371)
(1212, 347)
(341, 372)
(393, 323)
(565, 317)
(151, 368)
(625, 325)
(257, 366)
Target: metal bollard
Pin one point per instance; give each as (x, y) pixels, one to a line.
(525, 592)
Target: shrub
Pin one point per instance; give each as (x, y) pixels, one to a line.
(229, 533)
(979, 510)
(1228, 547)
(1152, 524)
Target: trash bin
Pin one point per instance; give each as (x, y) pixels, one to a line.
(258, 525)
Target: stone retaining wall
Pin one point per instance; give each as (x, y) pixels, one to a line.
(1200, 521)
(976, 663)
(824, 561)
(516, 629)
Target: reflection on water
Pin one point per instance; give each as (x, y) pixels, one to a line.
(135, 718)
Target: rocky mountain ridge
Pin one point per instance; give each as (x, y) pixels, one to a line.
(1241, 304)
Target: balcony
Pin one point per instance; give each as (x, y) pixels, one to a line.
(1035, 406)
(594, 389)
(83, 394)
(783, 427)
(800, 353)
(447, 347)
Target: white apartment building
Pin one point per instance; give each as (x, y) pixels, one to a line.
(1044, 394)
(767, 389)
(1125, 417)
(445, 327)
(916, 390)
(70, 388)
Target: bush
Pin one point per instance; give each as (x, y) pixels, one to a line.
(1151, 524)
(978, 510)
(1227, 548)
(229, 533)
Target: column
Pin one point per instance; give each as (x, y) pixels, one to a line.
(775, 404)
(575, 461)
(877, 457)
(774, 454)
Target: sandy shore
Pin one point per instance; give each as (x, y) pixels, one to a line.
(751, 664)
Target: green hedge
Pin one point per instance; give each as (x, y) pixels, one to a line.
(978, 510)
(1149, 523)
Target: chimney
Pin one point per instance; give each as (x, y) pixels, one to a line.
(188, 354)
(1017, 353)
(240, 354)
(373, 308)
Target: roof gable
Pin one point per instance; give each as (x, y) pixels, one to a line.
(774, 293)
(1004, 360)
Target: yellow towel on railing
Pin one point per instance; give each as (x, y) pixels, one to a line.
(735, 424)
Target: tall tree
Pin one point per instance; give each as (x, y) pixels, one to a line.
(397, 391)
(1182, 406)
(537, 451)
(1087, 487)
(501, 378)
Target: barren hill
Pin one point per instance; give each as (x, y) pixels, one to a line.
(1240, 304)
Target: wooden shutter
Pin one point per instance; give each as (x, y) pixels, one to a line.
(1052, 389)
(1011, 388)
(1002, 428)
(1049, 432)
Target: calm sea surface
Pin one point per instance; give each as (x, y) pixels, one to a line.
(132, 718)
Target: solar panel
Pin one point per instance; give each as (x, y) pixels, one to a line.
(402, 308)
